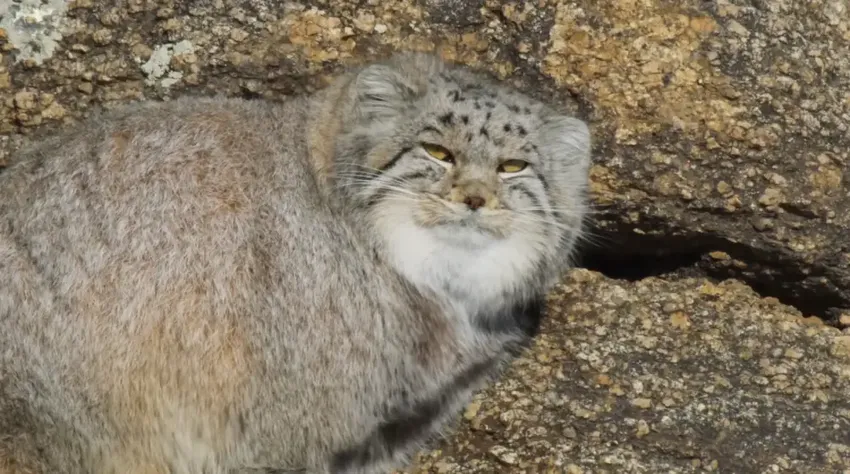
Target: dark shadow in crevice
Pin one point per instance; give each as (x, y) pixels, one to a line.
(623, 254)
(637, 267)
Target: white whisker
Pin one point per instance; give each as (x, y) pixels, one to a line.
(554, 210)
(533, 219)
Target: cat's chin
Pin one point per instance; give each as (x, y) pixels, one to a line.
(464, 235)
(468, 264)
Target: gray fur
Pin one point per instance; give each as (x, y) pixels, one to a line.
(217, 285)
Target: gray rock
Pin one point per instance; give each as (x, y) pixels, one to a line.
(721, 151)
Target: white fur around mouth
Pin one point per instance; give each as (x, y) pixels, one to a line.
(473, 265)
(463, 235)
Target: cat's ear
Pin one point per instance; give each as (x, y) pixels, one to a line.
(566, 139)
(383, 92)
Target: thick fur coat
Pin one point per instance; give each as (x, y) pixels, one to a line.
(216, 285)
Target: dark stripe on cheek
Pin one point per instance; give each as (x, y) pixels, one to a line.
(535, 201)
(411, 175)
(395, 159)
(377, 196)
(542, 180)
(383, 191)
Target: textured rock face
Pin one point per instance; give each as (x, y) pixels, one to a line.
(721, 150)
(662, 376)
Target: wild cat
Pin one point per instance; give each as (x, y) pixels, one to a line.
(215, 285)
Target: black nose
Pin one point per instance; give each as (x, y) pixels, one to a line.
(474, 202)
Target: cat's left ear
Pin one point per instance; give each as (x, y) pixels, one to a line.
(384, 90)
(566, 139)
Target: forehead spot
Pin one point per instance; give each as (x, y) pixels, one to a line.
(455, 96)
(465, 119)
(507, 127)
(447, 119)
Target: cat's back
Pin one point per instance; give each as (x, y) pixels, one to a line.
(147, 191)
(205, 142)
(152, 173)
(130, 247)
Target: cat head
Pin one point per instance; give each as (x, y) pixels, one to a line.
(461, 162)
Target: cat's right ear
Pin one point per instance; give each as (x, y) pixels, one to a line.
(383, 92)
(566, 140)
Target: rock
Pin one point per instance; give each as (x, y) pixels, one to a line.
(33, 28)
(841, 346)
(365, 22)
(574, 469)
(642, 402)
(827, 178)
(238, 35)
(472, 410)
(504, 455)
(642, 429)
(54, 111)
(102, 36)
(85, 87)
(788, 404)
(25, 100)
(721, 149)
(142, 51)
(771, 197)
(680, 320)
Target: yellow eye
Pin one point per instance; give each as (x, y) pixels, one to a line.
(439, 152)
(512, 166)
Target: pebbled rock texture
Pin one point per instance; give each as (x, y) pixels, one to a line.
(721, 151)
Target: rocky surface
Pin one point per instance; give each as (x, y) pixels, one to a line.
(660, 376)
(721, 151)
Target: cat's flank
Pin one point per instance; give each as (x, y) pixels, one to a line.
(222, 286)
